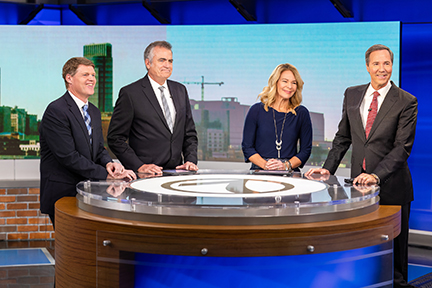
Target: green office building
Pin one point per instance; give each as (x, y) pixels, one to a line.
(101, 55)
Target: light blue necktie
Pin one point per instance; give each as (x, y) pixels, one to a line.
(167, 111)
(87, 121)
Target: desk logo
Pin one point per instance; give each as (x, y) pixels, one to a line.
(227, 185)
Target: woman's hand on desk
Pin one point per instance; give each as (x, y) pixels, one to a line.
(274, 164)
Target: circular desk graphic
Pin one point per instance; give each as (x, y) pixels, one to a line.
(241, 198)
(229, 186)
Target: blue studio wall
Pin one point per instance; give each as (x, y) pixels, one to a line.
(416, 43)
(416, 73)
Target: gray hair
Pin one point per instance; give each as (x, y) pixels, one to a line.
(148, 52)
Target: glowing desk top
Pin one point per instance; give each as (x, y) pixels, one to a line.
(228, 197)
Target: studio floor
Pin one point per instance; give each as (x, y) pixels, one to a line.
(22, 271)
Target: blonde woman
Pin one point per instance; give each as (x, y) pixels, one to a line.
(274, 126)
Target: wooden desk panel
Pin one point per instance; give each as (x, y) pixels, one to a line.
(80, 236)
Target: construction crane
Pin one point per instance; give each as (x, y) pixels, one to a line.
(202, 83)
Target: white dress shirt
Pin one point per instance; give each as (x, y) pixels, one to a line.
(168, 97)
(79, 103)
(367, 100)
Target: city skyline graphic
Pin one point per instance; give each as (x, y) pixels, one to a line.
(101, 56)
(329, 57)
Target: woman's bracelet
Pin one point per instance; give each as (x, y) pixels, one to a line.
(288, 165)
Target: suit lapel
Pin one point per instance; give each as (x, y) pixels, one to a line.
(357, 121)
(386, 106)
(150, 94)
(78, 116)
(176, 100)
(94, 137)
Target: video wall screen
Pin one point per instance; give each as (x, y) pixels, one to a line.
(224, 68)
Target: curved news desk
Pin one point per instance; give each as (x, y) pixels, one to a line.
(215, 229)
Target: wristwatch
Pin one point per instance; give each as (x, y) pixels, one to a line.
(376, 178)
(288, 166)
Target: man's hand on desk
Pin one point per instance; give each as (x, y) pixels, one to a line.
(117, 171)
(150, 169)
(124, 175)
(317, 174)
(188, 166)
(366, 179)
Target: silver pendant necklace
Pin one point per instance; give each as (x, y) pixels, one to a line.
(279, 141)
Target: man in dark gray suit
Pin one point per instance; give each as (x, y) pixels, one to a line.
(72, 145)
(381, 145)
(152, 126)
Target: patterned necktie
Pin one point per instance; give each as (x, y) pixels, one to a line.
(87, 121)
(373, 110)
(166, 109)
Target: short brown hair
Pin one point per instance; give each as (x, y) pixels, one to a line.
(377, 47)
(71, 66)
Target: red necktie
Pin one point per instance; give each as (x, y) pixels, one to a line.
(373, 109)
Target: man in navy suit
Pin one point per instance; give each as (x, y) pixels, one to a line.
(72, 148)
(152, 126)
(380, 157)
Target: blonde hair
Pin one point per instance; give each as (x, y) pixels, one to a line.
(268, 95)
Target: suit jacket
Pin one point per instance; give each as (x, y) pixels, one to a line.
(389, 144)
(66, 155)
(138, 132)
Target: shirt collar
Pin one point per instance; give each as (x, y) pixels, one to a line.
(156, 85)
(383, 91)
(78, 101)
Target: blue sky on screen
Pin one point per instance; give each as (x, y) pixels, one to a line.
(329, 57)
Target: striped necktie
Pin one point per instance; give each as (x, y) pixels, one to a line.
(166, 109)
(87, 121)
